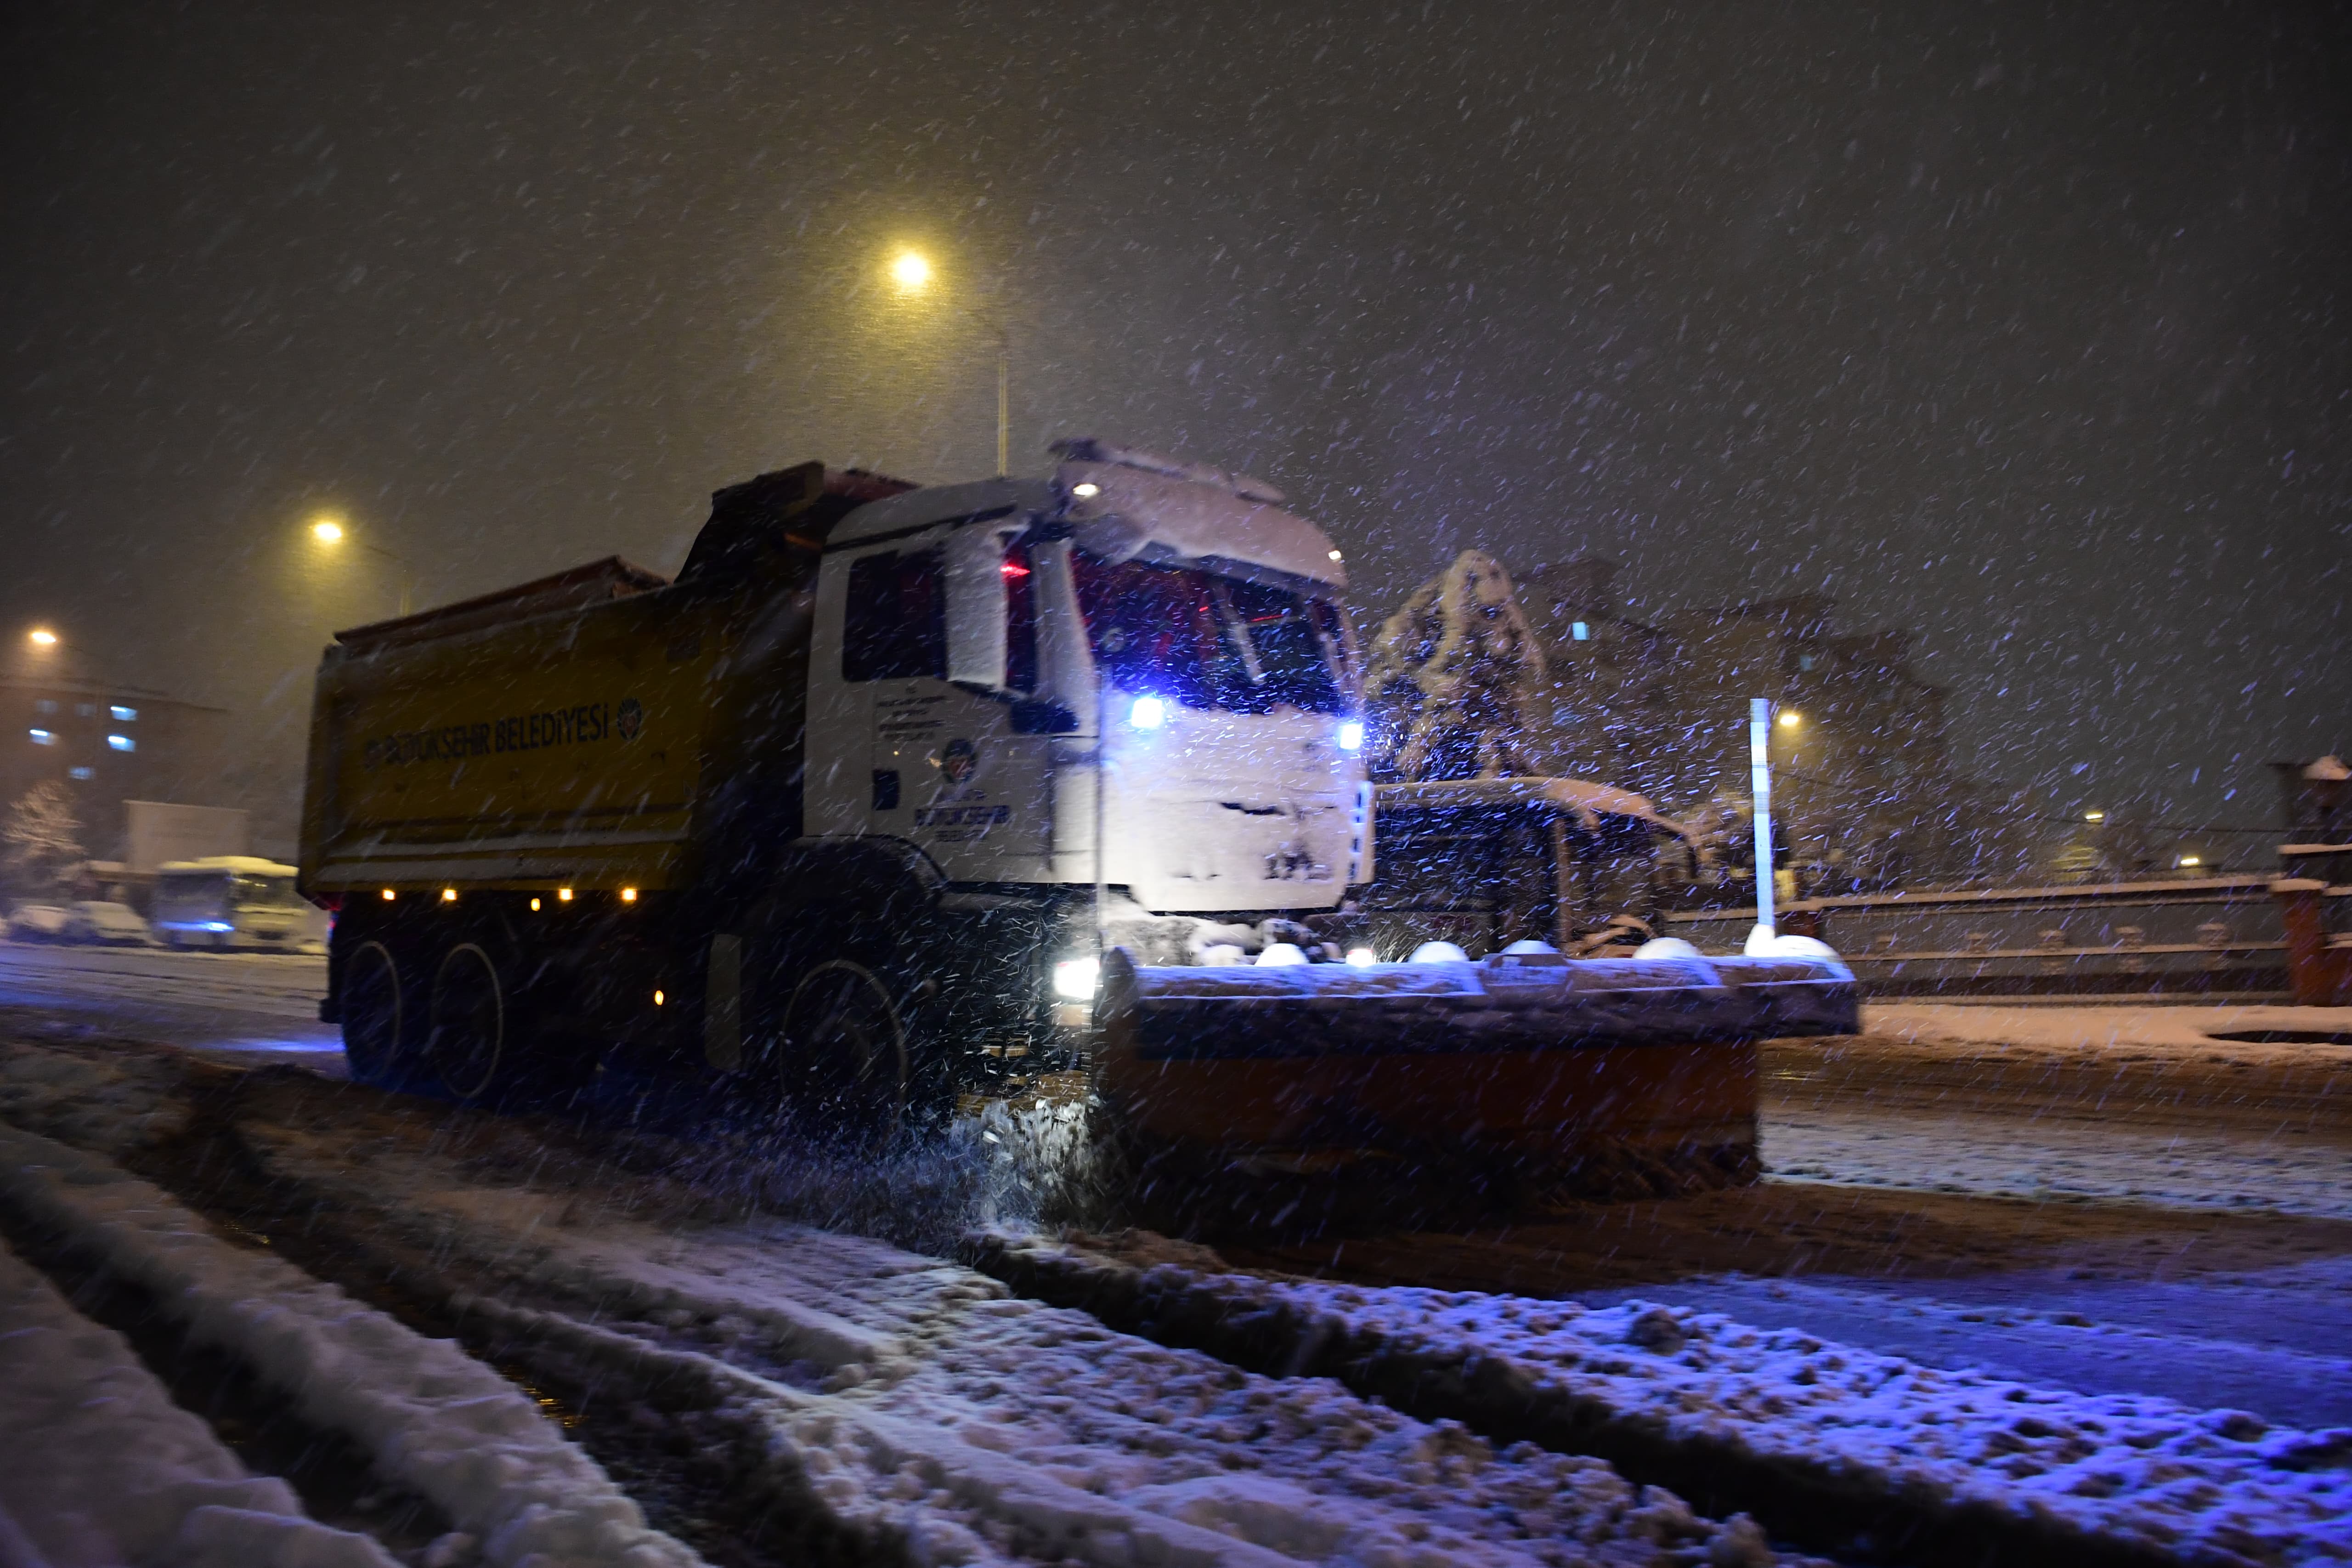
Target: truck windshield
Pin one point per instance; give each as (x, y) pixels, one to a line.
(1211, 641)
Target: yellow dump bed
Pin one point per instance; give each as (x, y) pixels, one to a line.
(550, 735)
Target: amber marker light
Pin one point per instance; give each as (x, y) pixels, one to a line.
(534, 905)
(448, 895)
(658, 998)
(562, 895)
(628, 895)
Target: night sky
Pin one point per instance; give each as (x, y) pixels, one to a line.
(2026, 328)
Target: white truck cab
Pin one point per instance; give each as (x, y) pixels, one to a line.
(1137, 675)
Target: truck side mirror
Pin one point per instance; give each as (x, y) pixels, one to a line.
(976, 609)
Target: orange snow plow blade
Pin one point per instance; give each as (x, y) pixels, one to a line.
(1516, 1077)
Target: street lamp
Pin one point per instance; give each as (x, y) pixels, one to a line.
(329, 530)
(41, 637)
(1790, 719)
(911, 271)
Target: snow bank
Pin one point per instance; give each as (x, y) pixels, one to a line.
(1771, 1414)
(116, 1102)
(99, 1468)
(433, 1419)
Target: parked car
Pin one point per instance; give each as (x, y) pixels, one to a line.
(95, 921)
(38, 922)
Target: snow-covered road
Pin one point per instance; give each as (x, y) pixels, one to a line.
(252, 1006)
(761, 1390)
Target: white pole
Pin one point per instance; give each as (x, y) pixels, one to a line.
(1760, 773)
(1102, 804)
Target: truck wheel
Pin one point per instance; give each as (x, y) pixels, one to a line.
(468, 1022)
(371, 1014)
(846, 1051)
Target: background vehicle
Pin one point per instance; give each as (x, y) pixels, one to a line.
(1484, 863)
(98, 921)
(225, 901)
(37, 922)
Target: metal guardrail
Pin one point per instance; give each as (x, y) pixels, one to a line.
(2213, 939)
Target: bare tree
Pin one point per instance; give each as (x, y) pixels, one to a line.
(40, 845)
(1456, 679)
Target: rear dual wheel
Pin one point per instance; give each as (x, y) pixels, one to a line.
(465, 1023)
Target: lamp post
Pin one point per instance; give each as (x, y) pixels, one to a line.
(329, 532)
(57, 656)
(913, 274)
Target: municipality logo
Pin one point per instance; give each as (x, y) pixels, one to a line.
(630, 718)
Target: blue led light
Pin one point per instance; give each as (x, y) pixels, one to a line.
(1148, 712)
(1351, 735)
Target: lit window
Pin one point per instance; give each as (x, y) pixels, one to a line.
(45, 705)
(85, 709)
(123, 742)
(85, 774)
(1580, 632)
(123, 715)
(43, 738)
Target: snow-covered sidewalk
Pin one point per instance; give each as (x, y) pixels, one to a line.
(2112, 1032)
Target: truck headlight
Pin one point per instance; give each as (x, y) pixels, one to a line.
(1148, 712)
(1075, 978)
(1351, 735)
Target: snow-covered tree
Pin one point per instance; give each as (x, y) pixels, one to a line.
(40, 845)
(1456, 681)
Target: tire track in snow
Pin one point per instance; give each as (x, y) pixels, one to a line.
(1890, 1460)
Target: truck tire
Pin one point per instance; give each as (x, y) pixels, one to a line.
(372, 1014)
(845, 1053)
(467, 1036)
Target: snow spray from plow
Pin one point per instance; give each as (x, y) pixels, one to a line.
(1532, 1072)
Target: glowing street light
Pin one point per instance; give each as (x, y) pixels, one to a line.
(2095, 817)
(910, 271)
(41, 637)
(1790, 719)
(329, 530)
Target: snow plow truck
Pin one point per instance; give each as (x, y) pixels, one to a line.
(895, 791)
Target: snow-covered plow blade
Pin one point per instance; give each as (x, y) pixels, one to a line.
(1511, 1079)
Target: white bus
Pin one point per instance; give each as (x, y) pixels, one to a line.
(236, 901)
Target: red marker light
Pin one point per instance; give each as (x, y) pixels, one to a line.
(1014, 569)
